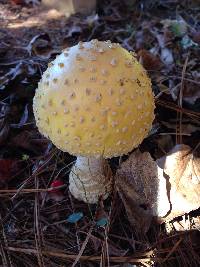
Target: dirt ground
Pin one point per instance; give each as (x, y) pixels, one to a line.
(34, 223)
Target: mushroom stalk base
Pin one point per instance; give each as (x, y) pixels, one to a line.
(89, 179)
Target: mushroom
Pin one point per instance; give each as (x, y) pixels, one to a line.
(94, 101)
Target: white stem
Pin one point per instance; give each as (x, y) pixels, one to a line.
(90, 178)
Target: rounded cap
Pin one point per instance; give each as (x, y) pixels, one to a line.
(95, 99)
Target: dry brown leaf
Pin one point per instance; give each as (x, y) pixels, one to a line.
(149, 60)
(183, 170)
(142, 188)
(149, 191)
(191, 91)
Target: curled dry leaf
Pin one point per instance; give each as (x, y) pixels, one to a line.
(142, 187)
(75, 29)
(183, 170)
(149, 191)
(165, 53)
(41, 46)
(167, 56)
(22, 69)
(149, 60)
(11, 75)
(191, 91)
(187, 127)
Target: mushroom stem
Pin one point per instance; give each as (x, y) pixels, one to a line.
(90, 178)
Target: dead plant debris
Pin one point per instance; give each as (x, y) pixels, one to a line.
(39, 229)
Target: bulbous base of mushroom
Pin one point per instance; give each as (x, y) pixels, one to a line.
(89, 179)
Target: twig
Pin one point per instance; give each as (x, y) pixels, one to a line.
(83, 247)
(180, 102)
(35, 173)
(123, 259)
(29, 190)
(174, 107)
(37, 233)
(172, 250)
(6, 259)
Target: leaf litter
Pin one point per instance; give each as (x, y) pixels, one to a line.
(133, 225)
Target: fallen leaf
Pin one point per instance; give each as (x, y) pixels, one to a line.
(191, 92)
(139, 39)
(178, 27)
(183, 170)
(186, 128)
(164, 189)
(55, 196)
(137, 182)
(75, 29)
(37, 43)
(90, 20)
(20, 68)
(165, 53)
(11, 75)
(166, 56)
(149, 60)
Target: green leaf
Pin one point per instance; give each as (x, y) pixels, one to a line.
(179, 28)
(75, 217)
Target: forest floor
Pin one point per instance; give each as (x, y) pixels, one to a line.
(41, 228)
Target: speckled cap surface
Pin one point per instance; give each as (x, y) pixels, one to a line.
(94, 99)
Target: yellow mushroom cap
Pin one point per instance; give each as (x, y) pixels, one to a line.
(95, 99)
